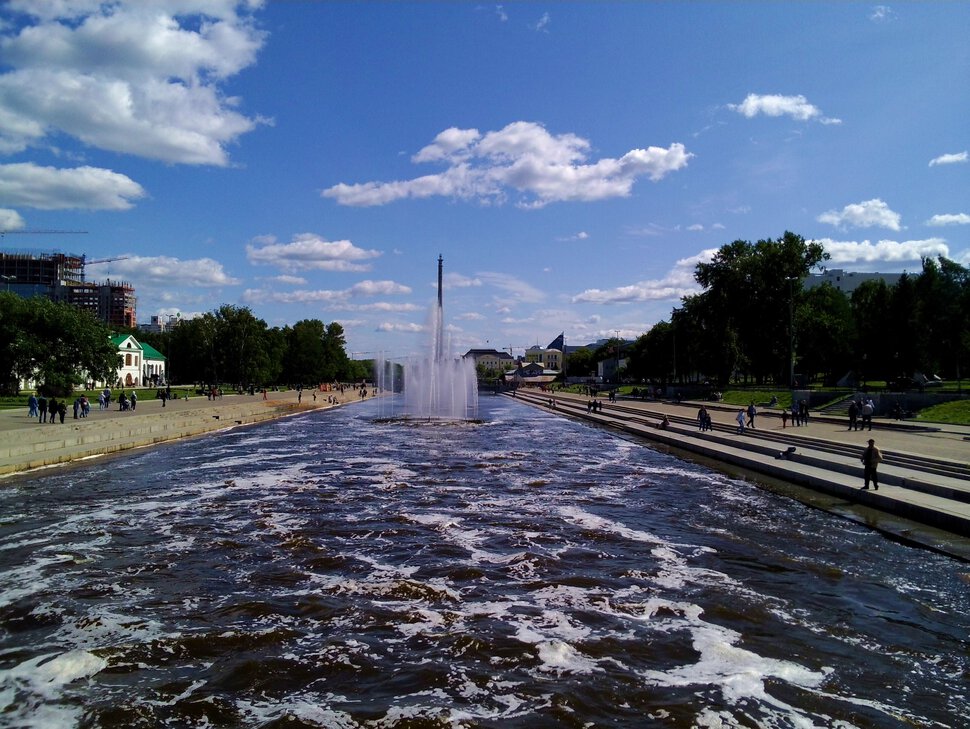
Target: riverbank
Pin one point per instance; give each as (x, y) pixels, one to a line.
(924, 493)
(26, 444)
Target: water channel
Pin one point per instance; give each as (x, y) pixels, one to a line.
(332, 570)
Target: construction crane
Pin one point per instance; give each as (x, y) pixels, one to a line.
(41, 231)
(86, 262)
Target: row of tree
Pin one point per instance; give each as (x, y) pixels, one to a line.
(59, 346)
(231, 345)
(755, 322)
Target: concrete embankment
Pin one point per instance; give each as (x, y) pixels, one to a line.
(924, 482)
(26, 444)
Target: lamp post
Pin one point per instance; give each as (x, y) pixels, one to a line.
(791, 331)
(7, 280)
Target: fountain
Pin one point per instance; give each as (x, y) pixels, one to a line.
(439, 386)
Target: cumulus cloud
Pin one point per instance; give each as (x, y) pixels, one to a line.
(325, 296)
(10, 219)
(48, 188)
(308, 251)
(868, 214)
(949, 219)
(458, 281)
(950, 159)
(140, 78)
(522, 157)
(289, 280)
(884, 251)
(796, 107)
(678, 282)
(164, 271)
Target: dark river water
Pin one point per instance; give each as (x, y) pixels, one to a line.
(329, 570)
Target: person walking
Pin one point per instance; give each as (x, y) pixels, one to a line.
(853, 415)
(42, 409)
(752, 411)
(740, 419)
(133, 400)
(871, 458)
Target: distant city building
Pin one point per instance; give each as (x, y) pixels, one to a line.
(848, 281)
(550, 359)
(491, 359)
(60, 277)
(160, 324)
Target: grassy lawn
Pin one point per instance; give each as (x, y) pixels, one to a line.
(954, 413)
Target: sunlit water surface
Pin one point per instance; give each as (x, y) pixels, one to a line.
(331, 571)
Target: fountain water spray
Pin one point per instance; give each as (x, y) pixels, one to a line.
(441, 386)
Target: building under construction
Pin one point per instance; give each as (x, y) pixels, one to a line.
(60, 277)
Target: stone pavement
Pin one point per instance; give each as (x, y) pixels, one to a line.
(924, 492)
(26, 444)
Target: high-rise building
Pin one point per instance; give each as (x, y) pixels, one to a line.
(60, 277)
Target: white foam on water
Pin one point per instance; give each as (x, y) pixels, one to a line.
(29, 691)
(312, 708)
(559, 657)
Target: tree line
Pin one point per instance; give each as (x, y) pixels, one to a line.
(754, 313)
(59, 346)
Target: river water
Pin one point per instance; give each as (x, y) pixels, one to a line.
(330, 570)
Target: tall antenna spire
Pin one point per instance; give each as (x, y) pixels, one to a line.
(440, 263)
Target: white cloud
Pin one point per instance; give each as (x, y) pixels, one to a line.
(10, 219)
(543, 24)
(406, 327)
(797, 107)
(868, 214)
(678, 282)
(382, 306)
(512, 288)
(695, 228)
(500, 12)
(950, 159)
(523, 157)
(164, 271)
(581, 235)
(471, 316)
(141, 78)
(458, 281)
(289, 280)
(949, 219)
(882, 13)
(308, 251)
(884, 251)
(337, 298)
(49, 188)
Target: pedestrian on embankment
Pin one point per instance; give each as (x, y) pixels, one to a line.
(740, 419)
(871, 458)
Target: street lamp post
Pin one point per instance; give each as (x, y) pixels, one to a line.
(791, 331)
(7, 280)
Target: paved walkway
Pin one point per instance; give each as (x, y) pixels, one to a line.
(27, 444)
(924, 491)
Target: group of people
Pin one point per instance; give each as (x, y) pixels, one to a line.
(51, 411)
(704, 419)
(860, 413)
(54, 410)
(798, 414)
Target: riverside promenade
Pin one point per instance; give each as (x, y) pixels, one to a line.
(26, 444)
(924, 481)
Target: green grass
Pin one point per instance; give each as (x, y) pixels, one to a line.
(956, 412)
(761, 397)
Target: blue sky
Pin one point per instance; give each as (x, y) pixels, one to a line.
(572, 162)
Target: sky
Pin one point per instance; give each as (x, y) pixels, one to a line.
(572, 162)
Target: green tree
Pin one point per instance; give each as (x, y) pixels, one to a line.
(580, 363)
(748, 291)
(305, 362)
(826, 333)
(57, 345)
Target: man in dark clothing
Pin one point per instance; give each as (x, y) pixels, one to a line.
(42, 409)
(853, 415)
(871, 458)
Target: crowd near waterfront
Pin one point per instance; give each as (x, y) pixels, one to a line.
(333, 569)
